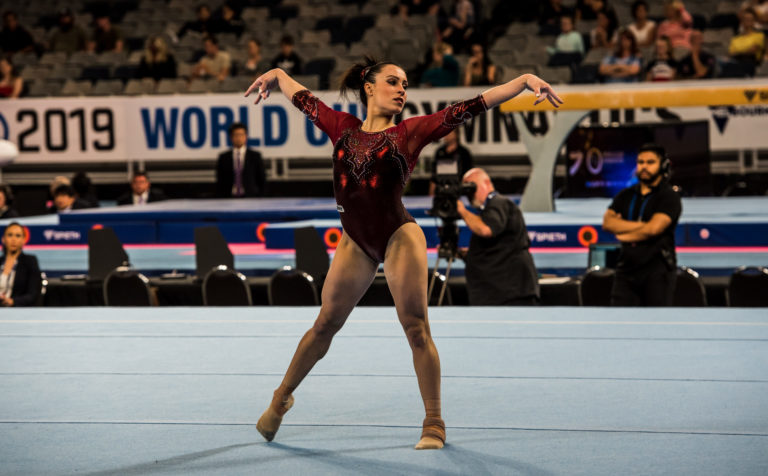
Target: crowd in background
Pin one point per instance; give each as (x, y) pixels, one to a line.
(461, 36)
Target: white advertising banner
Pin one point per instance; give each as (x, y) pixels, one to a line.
(194, 127)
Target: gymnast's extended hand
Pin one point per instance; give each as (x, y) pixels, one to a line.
(274, 77)
(504, 92)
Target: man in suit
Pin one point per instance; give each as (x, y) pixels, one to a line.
(141, 192)
(240, 171)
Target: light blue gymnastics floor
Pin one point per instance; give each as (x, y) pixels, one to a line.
(550, 391)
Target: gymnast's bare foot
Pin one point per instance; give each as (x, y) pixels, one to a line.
(432, 434)
(270, 421)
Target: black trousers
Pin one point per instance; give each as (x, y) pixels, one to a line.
(652, 285)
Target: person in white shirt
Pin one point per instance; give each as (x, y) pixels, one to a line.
(643, 28)
(141, 192)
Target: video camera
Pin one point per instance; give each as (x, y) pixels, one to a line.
(448, 189)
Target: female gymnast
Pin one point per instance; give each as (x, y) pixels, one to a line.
(372, 160)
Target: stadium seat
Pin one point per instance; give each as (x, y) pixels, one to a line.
(284, 12)
(309, 81)
(564, 59)
(321, 67)
(292, 287)
(689, 290)
(95, 73)
(202, 86)
(596, 285)
(126, 72)
(171, 86)
(139, 86)
(125, 286)
(559, 75)
(106, 87)
(235, 84)
(223, 286)
(75, 88)
(748, 287)
(311, 253)
(585, 74)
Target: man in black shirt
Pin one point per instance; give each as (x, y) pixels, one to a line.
(499, 267)
(15, 38)
(698, 64)
(287, 60)
(643, 218)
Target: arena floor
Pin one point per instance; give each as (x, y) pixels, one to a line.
(525, 391)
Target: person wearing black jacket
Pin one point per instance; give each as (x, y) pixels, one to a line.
(141, 192)
(499, 268)
(20, 279)
(240, 170)
(643, 218)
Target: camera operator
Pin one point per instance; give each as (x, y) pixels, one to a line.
(451, 156)
(499, 267)
(643, 218)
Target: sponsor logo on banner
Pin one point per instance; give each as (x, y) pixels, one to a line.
(63, 235)
(722, 114)
(547, 237)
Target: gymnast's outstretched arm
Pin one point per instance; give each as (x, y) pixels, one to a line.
(274, 77)
(504, 92)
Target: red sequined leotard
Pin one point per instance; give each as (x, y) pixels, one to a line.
(370, 169)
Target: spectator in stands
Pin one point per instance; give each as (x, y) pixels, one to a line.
(68, 37)
(663, 66)
(287, 60)
(461, 25)
(569, 40)
(623, 66)
(65, 199)
(20, 278)
(228, 21)
(84, 190)
(480, 69)
(699, 64)
(550, 16)
(417, 7)
(157, 63)
(6, 202)
(643, 28)
(444, 70)
(761, 11)
(240, 171)
(748, 46)
(106, 36)
(604, 34)
(141, 192)
(643, 218)
(450, 156)
(499, 267)
(203, 24)
(11, 84)
(588, 9)
(678, 24)
(251, 64)
(15, 38)
(215, 63)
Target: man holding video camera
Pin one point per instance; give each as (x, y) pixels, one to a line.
(499, 268)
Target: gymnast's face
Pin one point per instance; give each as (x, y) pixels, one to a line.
(388, 93)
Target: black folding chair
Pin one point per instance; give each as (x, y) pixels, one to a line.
(292, 287)
(125, 286)
(311, 254)
(223, 286)
(748, 287)
(689, 290)
(596, 285)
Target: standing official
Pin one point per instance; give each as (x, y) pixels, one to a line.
(240, 170)
(643, 218)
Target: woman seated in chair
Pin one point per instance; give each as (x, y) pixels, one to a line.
(20, 275)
